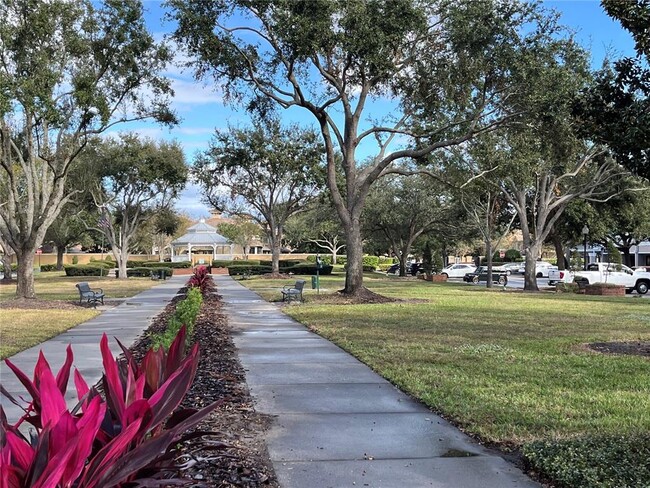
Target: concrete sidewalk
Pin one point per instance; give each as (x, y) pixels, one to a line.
(126, 322)
(339, 424)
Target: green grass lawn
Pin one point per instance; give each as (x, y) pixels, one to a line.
(26, 327)
(508, 366)
(55, 285)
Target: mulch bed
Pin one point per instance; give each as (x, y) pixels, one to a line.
(637, 348)
(220, 377)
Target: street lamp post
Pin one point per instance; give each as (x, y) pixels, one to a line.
(319, 264)
(585, 233)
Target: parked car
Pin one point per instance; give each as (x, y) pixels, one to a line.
(509, 268)
(616, 274)
(393, 269)
(481, 274)
(411, 268)
(457, 270)
(541, 268)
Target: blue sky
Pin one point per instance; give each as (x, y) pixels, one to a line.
(201, 108)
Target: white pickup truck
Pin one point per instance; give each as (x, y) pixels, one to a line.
(605, 273)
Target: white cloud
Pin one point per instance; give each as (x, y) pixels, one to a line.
(193, 93)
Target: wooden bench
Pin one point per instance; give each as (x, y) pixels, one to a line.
(293, 292)
(91, 296)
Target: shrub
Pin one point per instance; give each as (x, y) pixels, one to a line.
(132, 263)
(163, 264)
(201, 280)
(387, 260)
(245, 262)
(129, 434)
(221, 263)
(146, 272)
(567, 287)
(287, 263)
(84, 270)
(75, 259)
(512, 255)
(605, 461)
(309, 269)
(48, 267)
(370, 263)
(239, 270)
(187, 311)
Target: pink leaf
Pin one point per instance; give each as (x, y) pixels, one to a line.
(52, 401)
(63, 375)
(24, 379)
(22, 454)
(42, 367)
(112, 375)
(81, 386)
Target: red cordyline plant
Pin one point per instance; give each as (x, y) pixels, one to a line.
(201, 280)
(128, 438)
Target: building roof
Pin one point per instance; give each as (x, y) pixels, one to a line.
(201, 234)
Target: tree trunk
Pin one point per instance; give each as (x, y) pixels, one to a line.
(59, 257)
(334, 256)
(402, 264)
(559, 252)
(530, 275)
(6, 266)
(488, 256)
(275, 256)
(354, 271)
(121, 258)
(25, 274)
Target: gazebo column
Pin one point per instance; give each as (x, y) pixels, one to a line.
(214, 252)
(232, 248)
(172, 251)
(189, 252)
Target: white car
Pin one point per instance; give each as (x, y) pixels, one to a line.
(541, 269)
(457, 270)
(507, 268)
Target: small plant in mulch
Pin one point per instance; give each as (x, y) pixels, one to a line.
(132, 435)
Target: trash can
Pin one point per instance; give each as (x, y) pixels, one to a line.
(314, 282)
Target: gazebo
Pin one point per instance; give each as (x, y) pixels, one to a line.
(203, 238)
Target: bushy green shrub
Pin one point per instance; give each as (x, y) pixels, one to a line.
(324, 258)
(187, 310)
(512, 255)
(221, 263)
(164, 264)
(143, 272)
(606, 461)
(370, 263)
(75, 259)
(287, 263)
(239, 270)
(387, 260)
(567, 287)
(102, 264)
(246, 262)
(48, 267)
(134, 263)
(84, 270)
(309, 269)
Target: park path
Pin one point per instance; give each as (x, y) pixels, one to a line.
(336, 423)
(125, 321)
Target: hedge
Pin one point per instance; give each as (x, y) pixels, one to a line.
(48, 267)
(221, 263)
(309, 269)
(164, 264)
(144, 272)
(287, 263)
(247, 262)
(84, 270)
(250, 269)
(370, 263)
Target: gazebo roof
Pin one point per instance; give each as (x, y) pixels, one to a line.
(201, 234)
